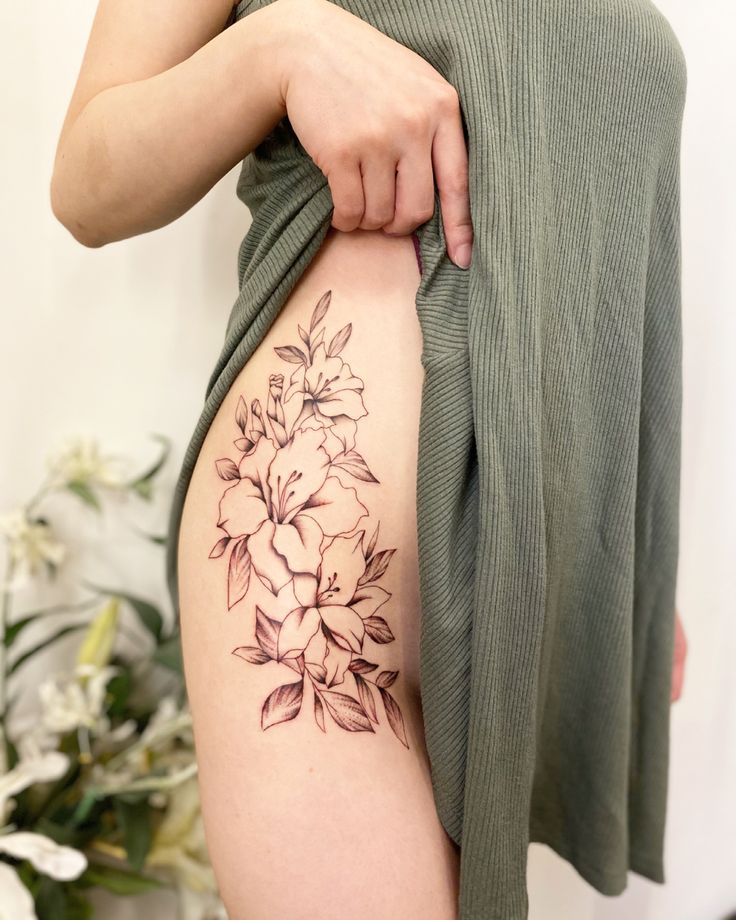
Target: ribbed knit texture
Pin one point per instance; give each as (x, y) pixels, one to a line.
(549, 447)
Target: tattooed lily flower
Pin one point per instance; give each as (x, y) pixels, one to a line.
(285, 503)
(334, 600)
(329, 394)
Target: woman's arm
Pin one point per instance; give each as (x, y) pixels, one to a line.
(166, 103)
(164, 106)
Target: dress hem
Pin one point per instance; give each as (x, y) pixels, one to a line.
(610, 884)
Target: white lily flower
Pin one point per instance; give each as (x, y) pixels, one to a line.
(16, 902)
(45, 855)
(31, 545)
(81, 461)
(76, 701)
(168, 721)
(41, 768)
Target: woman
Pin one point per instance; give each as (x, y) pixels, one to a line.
(546, 484)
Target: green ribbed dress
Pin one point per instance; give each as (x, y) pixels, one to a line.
(550, 429)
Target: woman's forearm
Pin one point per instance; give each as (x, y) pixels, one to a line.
(140, 154)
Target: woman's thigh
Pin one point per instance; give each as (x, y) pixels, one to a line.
(300, 608)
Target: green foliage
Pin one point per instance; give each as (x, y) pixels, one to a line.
(121, 741)
(134, 818)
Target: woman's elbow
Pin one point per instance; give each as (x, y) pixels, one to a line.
(66, 206)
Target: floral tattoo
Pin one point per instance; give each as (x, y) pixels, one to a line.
(290, 521)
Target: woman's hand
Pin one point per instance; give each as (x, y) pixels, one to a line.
(379, 121)
(678, 664)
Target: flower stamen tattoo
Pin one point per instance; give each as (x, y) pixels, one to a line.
(295, 531)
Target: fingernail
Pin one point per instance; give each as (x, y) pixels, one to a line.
(462, 256)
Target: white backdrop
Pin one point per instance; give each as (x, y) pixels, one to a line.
(118, 342)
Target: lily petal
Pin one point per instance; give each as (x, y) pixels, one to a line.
(15, 898)
(44, 768)
(46, 856)
(298, 470)
(345, 625)
(276, 606)
(342, 565)
(255, 465)
(344, 402)
(336, 663)
(242, 509)
(305, 589)
(268, 563)
(367, 600)
(296, 631)
(335, 507)
(299, 544)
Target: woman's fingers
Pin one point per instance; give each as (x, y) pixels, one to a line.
(346, 185)
(381, 123)
(450, 159)
(379, 191)
(414, 193)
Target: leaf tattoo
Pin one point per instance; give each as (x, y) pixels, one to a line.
(292, 522)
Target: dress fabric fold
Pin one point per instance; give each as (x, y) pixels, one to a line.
(549, 451)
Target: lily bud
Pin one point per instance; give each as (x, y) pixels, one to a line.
(96, 648)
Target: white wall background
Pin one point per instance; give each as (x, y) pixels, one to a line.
(119, 342)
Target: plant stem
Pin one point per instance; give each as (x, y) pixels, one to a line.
(4, 620)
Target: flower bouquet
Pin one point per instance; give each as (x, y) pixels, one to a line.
(98, 784)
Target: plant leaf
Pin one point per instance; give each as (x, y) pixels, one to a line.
(219, 548)
(372, 545)
(251, 654)
(49, 640)
(339, 341)
(361, 666)
(354, 464)
(318, 671)
(386, 679)
(15, 629)
(168, 654)
(267, 631)
(378, 629)
(135, 821)
(366, 697)
(393, 714)
(241, 415)
(347, 712)
(282, 705)
(320, 310)
(319, 712)
(118, 881)
(149, 615)
(83, 491)
(238, 573)
(376, 566)
(291, 353)
(316, 342)
(227, 469)
(142, 485)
